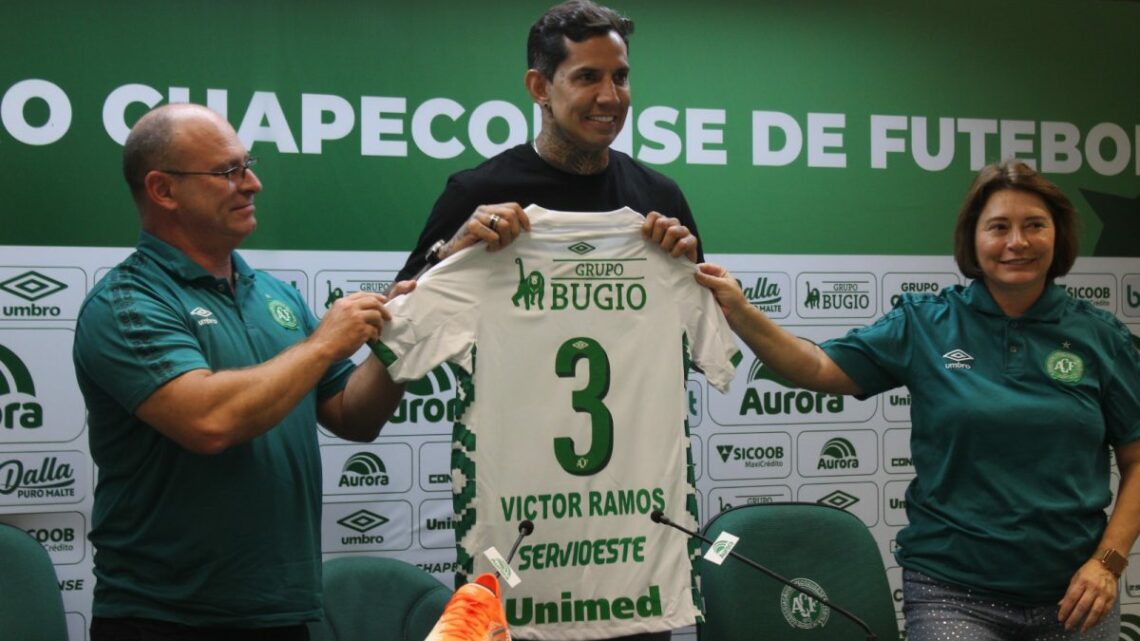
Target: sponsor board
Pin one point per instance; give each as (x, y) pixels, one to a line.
(1098, 289)
(41, 293)
(695, 396)
(757, 455)
(76, 585)
(896, 405)
(298, 279)
(697, 453)
(860, 499)
(842, 453)
(437, 524)
(836, 295)
(1132, 577)
(63, 534)
(76, 626)
(726, 498)
(333, 284)
(39, 478)
(366, 469)
(895, 580)
(769, 292)
(435, 466)
(429, 405)
(1130, 301)
(896, 284)
(40, 401)
(374, 526)
(894, 502)
(759, 396)
(896, 451)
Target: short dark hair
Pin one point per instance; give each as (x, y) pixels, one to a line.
(577, 20)
(147, 147)
(1014, 174)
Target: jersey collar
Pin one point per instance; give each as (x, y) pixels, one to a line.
(1048, 308)
(179, 264)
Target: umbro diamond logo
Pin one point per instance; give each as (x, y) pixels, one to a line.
(205, 316)
(32, 286)
(958, 359)
(581, 248)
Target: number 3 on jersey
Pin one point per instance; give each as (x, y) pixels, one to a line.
(587, 400)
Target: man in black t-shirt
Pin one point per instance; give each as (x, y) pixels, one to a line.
(578, 74)
(578, 60)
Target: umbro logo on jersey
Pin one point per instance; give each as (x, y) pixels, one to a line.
(581, 248)
(957, 359)
(205, 316)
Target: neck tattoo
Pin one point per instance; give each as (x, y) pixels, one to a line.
(571, 159)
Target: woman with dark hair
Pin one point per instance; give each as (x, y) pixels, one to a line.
(1018, 395)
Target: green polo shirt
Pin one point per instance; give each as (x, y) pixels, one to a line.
(231, 539)
(1011, 423)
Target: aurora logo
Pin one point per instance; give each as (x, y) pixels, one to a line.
(18, 406)
(421, 403)
(838, 453)
(363, 469)
(792, 401)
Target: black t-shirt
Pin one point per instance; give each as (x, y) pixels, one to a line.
(520, 175)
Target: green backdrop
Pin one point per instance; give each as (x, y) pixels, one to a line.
(1010, 68)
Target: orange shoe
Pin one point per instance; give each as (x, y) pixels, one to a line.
(474, 613)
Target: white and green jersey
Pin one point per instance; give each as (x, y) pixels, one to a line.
(577, 339)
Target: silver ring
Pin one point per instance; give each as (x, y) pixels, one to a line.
(492, 221)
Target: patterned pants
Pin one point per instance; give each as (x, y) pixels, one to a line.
(937, 611)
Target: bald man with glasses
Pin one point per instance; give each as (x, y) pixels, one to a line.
(204, 381)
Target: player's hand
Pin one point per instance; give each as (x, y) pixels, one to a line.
(496, 225)
(1090, 596)
(351, 322)
(671, 235)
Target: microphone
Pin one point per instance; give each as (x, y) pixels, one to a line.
(526, 526)
(659, 517)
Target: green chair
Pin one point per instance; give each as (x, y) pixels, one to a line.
(372, 598)
(814, 546)
(31, 606)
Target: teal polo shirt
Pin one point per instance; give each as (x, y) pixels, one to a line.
(231, 539)
(1011, 423)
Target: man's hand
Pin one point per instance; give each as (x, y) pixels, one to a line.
(495, 225)
(671, 235)
(351, 322)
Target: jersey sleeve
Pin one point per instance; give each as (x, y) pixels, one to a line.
(875, 356)
(1121, 396)
(437, 321)
(131, 340)
(711, 343)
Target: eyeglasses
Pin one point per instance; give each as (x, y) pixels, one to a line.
(237, 171)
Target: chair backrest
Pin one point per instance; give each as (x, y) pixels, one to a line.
(371, 598)
(814, 546)
(31, 606)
